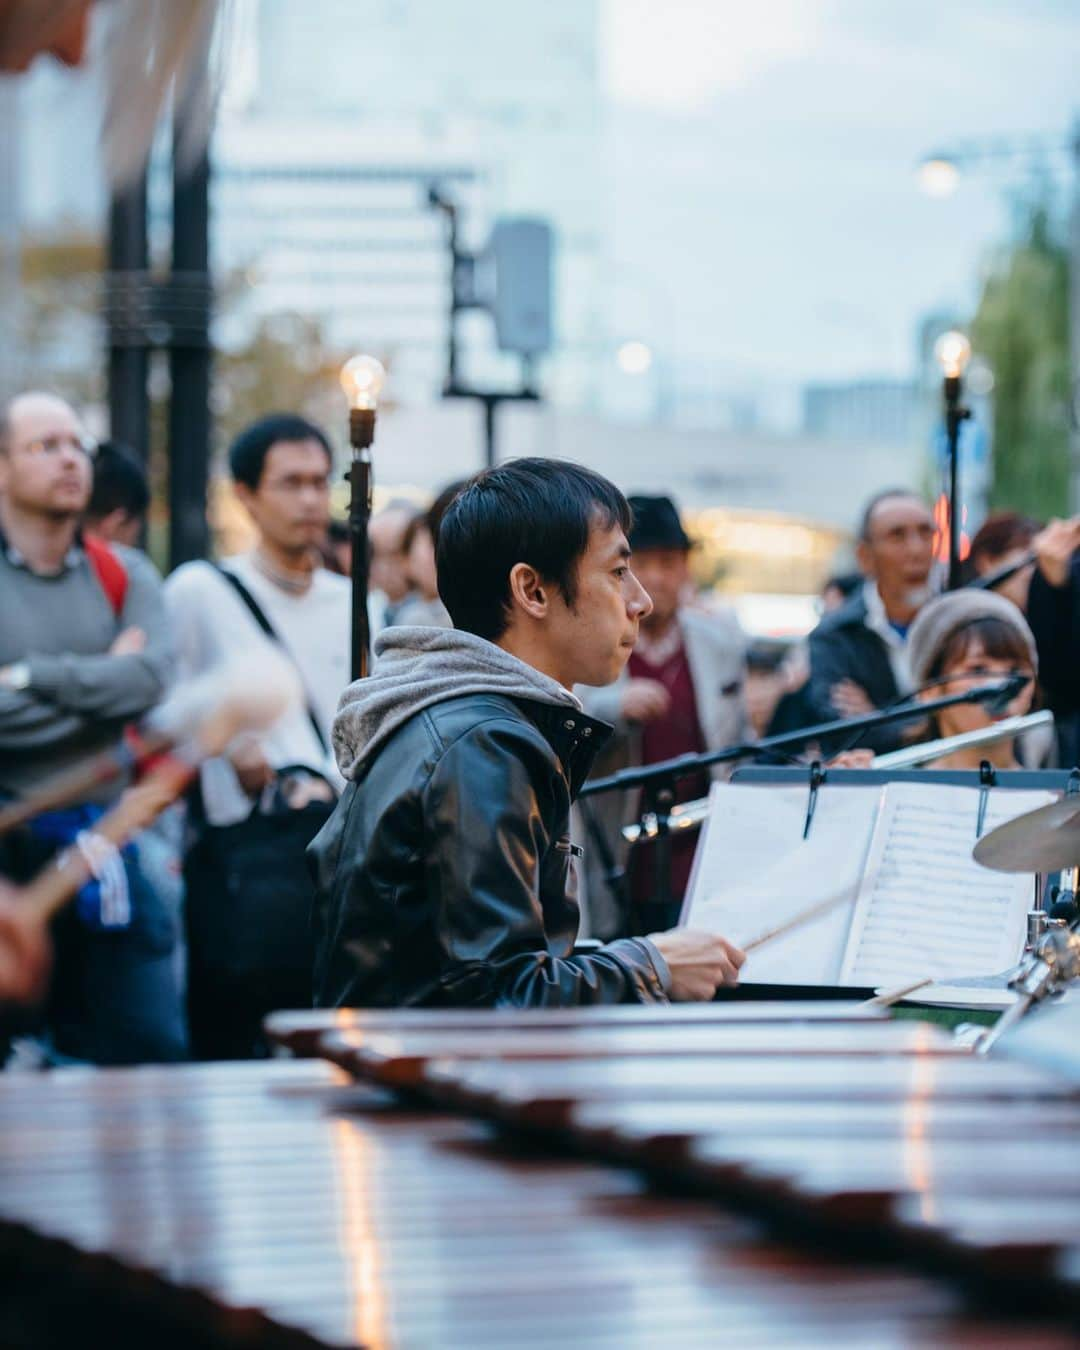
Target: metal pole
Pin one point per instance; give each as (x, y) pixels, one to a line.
(954, 416)
(12, 360)
(1074, 327)
(128, 306)
(189, 359)
(361, 436)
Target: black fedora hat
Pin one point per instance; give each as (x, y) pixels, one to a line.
(656, 524)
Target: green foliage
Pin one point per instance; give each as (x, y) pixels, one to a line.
(1022, 329)
(284, 364)
(59, 314)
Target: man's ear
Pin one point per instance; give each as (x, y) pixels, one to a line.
(111, 523)
(244, 494)
(528, 591)
(864, 558)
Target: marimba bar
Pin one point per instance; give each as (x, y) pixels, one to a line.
(856, 1133)
(288, 1204)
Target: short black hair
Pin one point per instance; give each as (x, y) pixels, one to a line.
(866, 519)
(248, 452)
(535, 511)
(120, 482)
(847, 583)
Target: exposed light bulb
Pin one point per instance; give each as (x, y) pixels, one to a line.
(952, 351)
(362, 378)
(634, 358)
(938, 176)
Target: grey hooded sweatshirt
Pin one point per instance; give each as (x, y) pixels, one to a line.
(444, 875)
(416, 668)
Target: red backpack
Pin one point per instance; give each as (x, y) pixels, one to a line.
(110, 571)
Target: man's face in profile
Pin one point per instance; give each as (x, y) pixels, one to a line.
(595, 635)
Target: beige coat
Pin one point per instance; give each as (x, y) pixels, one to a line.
(716, 652)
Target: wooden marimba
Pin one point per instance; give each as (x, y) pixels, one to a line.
(813, 1171)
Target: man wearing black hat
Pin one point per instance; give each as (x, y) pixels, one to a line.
(682, 692)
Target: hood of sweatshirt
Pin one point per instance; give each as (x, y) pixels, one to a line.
(417, 667)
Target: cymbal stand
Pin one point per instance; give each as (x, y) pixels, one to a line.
(1046, 971)
(656, 914)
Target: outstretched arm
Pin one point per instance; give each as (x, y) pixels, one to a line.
(489, 826)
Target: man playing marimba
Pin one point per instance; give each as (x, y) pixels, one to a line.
(445, 875)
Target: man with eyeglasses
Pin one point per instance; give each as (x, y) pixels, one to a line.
(276, 592)
(83, 652)
(858, 653)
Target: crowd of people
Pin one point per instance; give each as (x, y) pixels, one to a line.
(534, 627)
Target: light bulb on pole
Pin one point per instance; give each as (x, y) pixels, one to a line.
(362, 379)
(952, 351)
(939, 175)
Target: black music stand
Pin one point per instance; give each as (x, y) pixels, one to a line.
(817, 779)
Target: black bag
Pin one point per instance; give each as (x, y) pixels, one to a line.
(249, 897)
(249, 901)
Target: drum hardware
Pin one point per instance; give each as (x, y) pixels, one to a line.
(1063, 895)
(1046, 840)
(1043, 973)
(1039, 923)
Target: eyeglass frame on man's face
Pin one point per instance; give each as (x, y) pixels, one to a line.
(55, 444)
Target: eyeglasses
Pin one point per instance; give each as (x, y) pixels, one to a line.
(55, 445)
(293, 485)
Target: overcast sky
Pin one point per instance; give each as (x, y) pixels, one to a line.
(767, 213)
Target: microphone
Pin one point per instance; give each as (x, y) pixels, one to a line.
(995, 578)
(998, 700)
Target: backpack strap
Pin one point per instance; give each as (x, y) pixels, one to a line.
(267, 627)
(110, 571)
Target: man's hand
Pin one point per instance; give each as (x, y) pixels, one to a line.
(699, 963)
(644, 701)
(25, 956)
(251, 765)
(851, 699)
(128, 643)
(852, 759)
(1054, 547)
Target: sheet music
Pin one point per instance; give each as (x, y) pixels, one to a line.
(753, 870)
(925, 907)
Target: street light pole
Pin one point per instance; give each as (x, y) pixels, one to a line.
(939, 173)
(1074, 326)
(953, 351)
(362, 379)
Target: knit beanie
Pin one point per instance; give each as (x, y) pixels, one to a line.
(937, 621)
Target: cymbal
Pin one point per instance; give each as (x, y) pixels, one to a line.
(1046, 840)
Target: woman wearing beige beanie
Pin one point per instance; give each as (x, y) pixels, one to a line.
(961, 640)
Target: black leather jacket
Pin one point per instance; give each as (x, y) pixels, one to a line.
(444, 876)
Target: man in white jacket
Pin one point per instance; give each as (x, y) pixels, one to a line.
(281, 468)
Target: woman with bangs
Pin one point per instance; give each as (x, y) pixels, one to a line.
(962, 640)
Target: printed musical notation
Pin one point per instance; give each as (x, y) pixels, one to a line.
(925, 907)
(910, 899)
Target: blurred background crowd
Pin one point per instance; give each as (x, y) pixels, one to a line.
(711, 258)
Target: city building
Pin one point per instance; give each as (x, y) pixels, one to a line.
(885, 412)
(324, 153)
